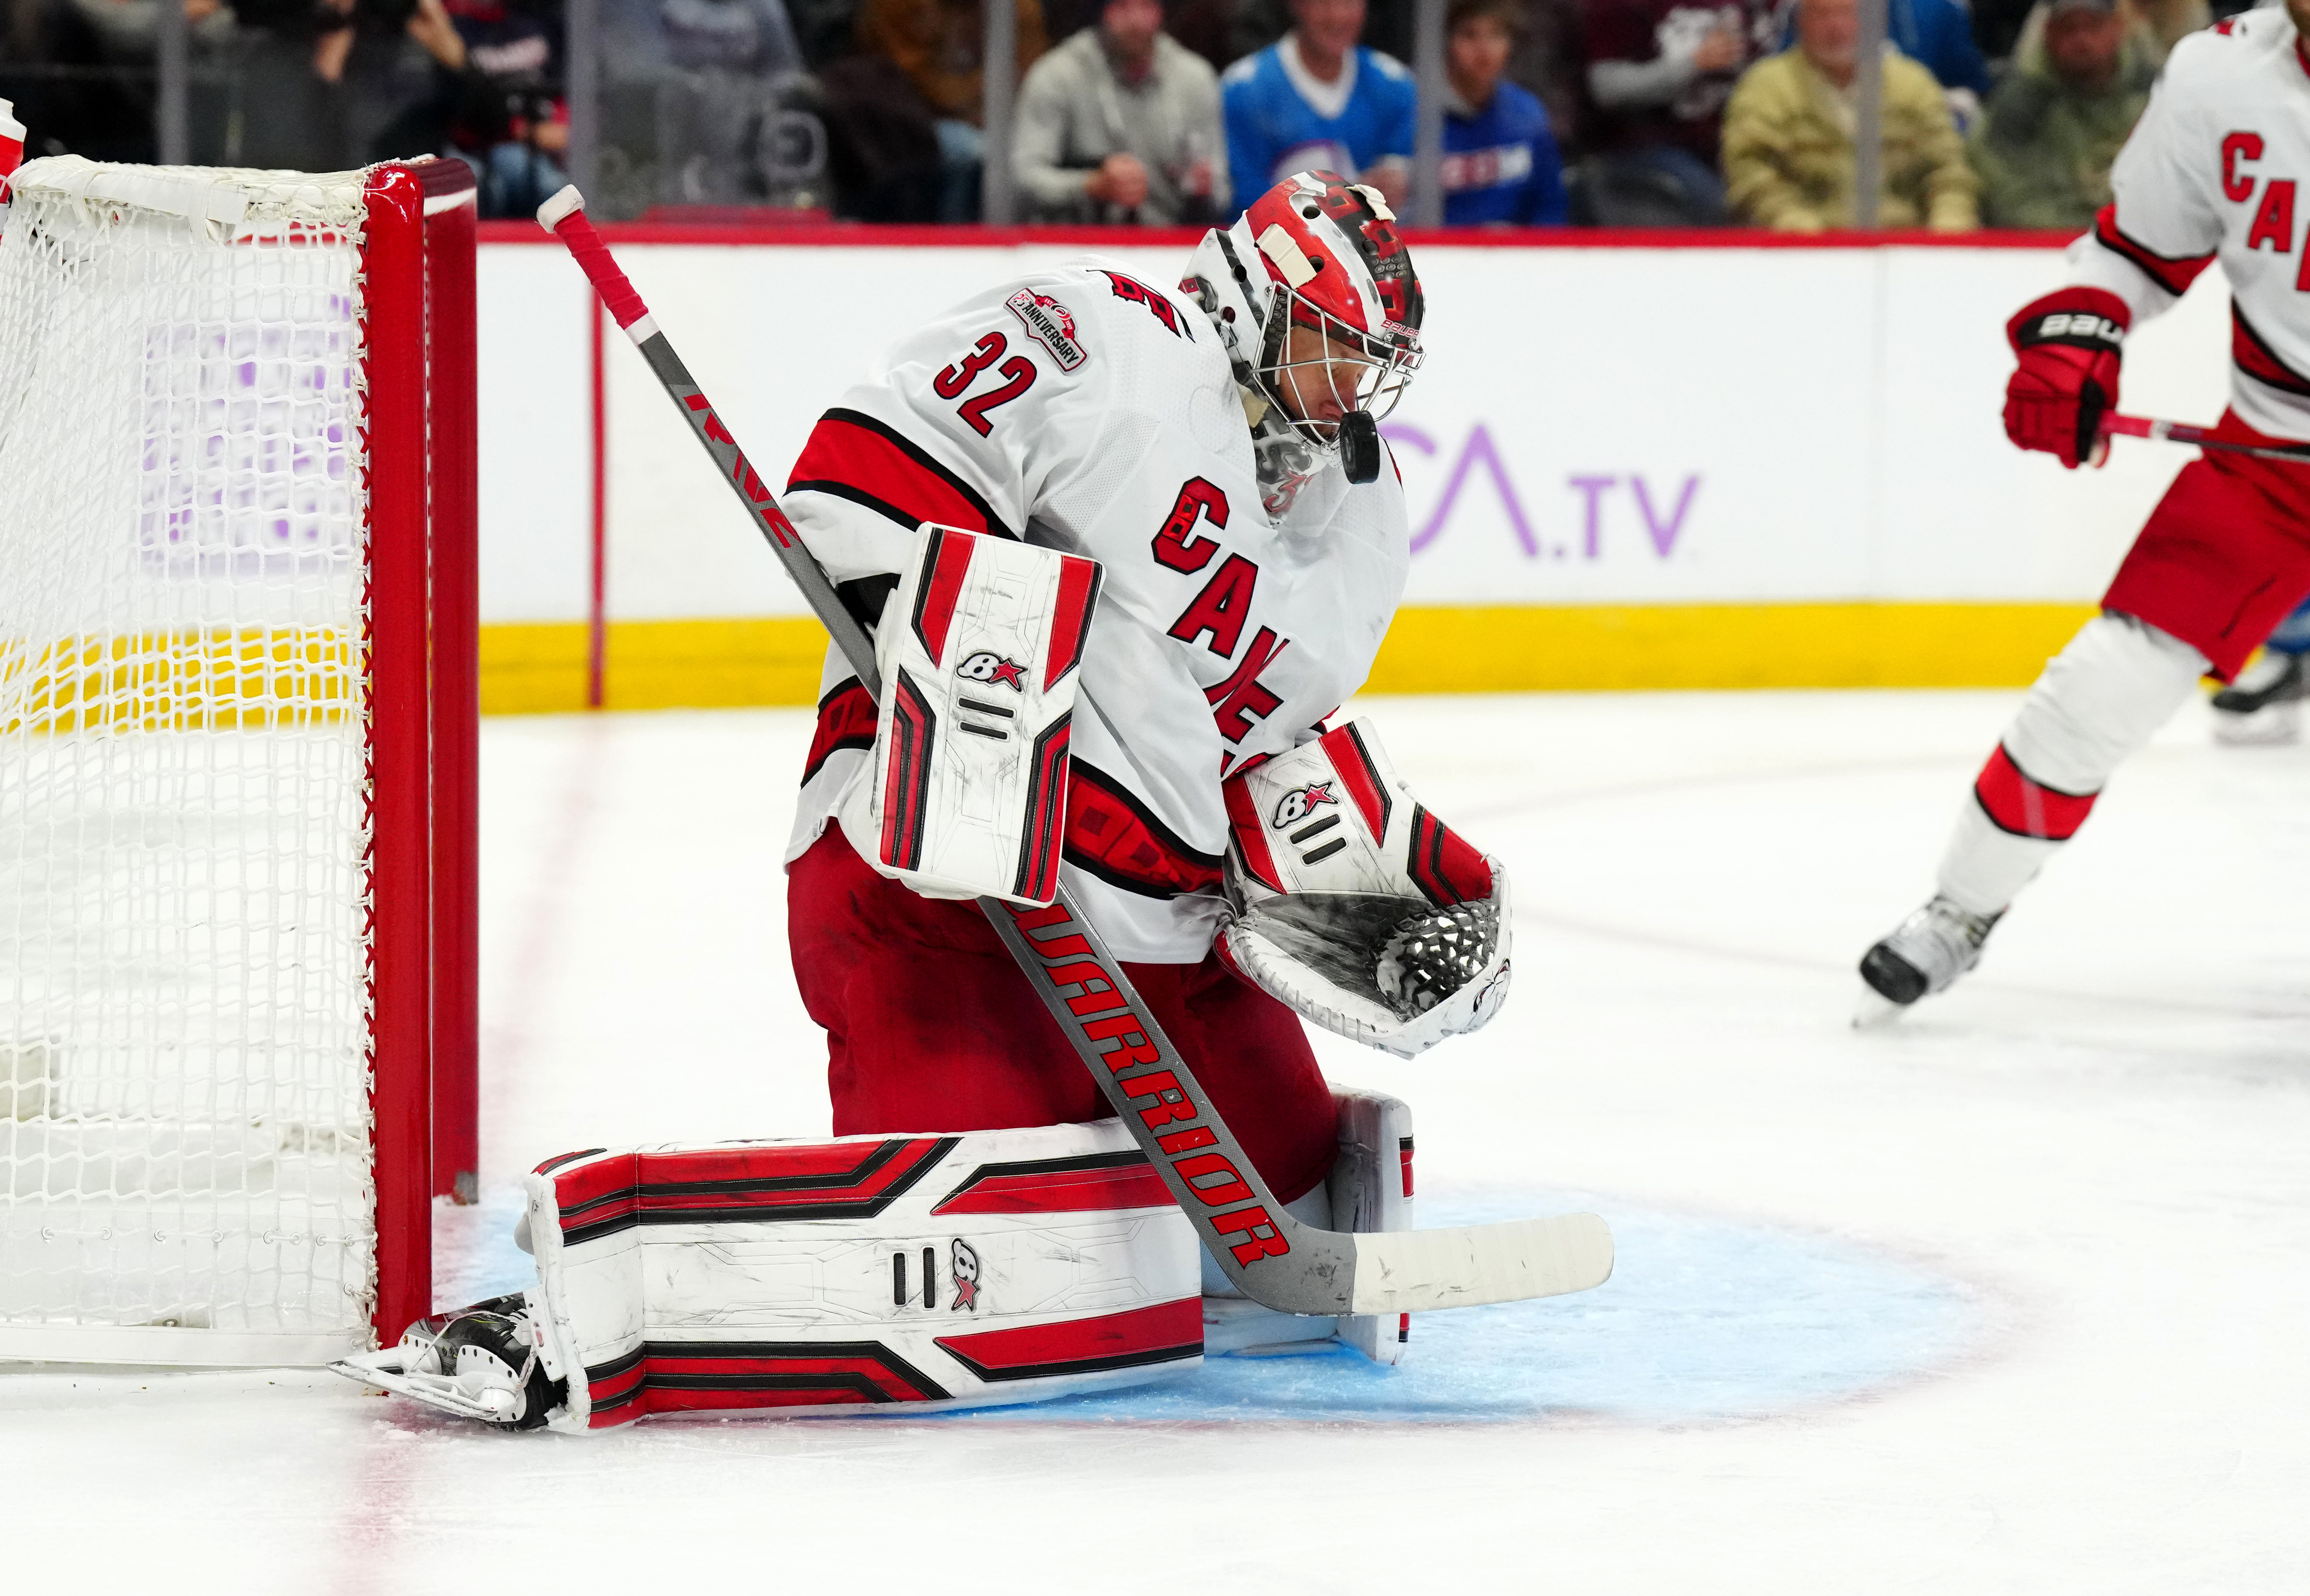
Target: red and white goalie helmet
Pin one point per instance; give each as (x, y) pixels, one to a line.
(1320, 253)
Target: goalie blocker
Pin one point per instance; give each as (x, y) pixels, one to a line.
(979, 649)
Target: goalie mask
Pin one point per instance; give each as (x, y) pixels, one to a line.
(1315, 297)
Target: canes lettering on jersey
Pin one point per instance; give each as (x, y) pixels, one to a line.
(2214, 169)
(1226, 629)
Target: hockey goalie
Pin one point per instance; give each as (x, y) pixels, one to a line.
(2210, 171)
(1122, 549)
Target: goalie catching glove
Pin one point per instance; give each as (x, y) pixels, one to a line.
(1356, 907)
(978, 650)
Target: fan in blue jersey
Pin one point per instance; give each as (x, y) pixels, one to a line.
(1315, 98)
(1500, 161)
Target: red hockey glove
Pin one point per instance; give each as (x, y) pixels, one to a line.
(2069, 343)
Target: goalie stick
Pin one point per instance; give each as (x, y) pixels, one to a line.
(2113, 426)
(1272, 1257)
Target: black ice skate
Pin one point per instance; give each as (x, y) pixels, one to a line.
(480, 1362)
(2263, 705)
(1925, 953)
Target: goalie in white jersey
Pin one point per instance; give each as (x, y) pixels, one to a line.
(2213, 170)
(1122, 549)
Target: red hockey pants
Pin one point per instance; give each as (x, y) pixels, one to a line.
(931, 1026)
(2225, 555)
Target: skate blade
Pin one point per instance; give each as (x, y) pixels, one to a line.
(1874, 1010)
(387, 1371)
(2273, 725)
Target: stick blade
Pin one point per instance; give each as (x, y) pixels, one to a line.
(1412, 1272)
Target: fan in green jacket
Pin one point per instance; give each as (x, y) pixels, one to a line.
(1789, 154)
(2046, 141)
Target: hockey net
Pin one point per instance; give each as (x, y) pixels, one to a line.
(226, 468)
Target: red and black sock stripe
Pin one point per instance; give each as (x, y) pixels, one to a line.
(2024, 807)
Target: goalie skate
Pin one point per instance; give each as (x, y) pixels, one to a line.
(487, 1362)
(1925, 953)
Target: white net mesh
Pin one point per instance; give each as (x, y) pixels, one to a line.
(184, 1117)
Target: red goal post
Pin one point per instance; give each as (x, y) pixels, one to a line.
(237, 773)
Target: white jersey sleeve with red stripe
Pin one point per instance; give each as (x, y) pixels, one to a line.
(2215, 169)
(1084, 410)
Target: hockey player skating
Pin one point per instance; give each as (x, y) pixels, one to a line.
(1122, 551)
(2264, 704)
(2210, 171)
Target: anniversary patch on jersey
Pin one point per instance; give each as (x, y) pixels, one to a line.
(1132, 290)
(1051, 325)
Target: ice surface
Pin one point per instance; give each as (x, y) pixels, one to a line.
(2007, 1297)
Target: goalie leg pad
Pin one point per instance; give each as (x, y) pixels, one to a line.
(1355, 905)
(865, 1274)
(1369, 1189)
(979, 650)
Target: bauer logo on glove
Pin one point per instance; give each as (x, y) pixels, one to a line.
(1355, 905)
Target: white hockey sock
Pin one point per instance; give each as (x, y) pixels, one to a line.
(2097, 700)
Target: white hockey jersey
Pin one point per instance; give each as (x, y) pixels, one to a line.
(2216, 168)
(1087, 411)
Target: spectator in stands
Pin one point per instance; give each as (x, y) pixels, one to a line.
(2164, 21)
(78, 71)
(1938, 36)
(1789, 136)
(2155, 25)
(1500, 162)
(940, 44)
(1252, 25)
(2047, 142)
(1316, 98)
(511, 126)
(1121, 123)
(1548, 59)
(1660, 72)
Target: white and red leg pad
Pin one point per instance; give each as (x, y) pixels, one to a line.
(860, 1274)
(1355, 905)
(1369, 1189)
(978, 650)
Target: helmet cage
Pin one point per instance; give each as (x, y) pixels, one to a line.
(1382, 364)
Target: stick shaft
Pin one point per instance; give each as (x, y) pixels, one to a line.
(2116, 425)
